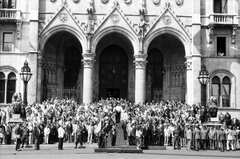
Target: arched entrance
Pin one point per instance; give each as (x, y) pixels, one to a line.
(62, 68)
(155, 72)
(113, 72)
(166, 73)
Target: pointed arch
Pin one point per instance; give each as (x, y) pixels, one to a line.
(50, 32)
(169, 30)
(115, 29)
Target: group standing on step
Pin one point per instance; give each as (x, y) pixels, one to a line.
(165, 123)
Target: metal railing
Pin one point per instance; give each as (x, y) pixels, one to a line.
(220, 18)
(10, 14)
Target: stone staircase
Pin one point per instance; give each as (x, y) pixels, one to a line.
(120, 136)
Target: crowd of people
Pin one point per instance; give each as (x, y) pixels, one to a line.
(165, 123)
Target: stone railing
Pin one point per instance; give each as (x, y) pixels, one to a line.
(10, 14)
(218, 18)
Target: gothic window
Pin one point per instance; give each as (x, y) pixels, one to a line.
(2, 87)
(221, 46)
(220, 6)
(226, 85)
(7, 41)
(221, 89)
(215, 87)
(11, 86)
(10, 4)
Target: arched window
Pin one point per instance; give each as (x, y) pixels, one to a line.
(11, 86)
(215, 91)
(2, 87)
(226, 90)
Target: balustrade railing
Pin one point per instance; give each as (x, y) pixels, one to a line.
(219, 18)
(10, 14)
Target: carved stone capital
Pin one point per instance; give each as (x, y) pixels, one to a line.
(140, 62)
(88, 62)
(188, 65)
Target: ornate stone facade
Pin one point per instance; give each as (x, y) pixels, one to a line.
(156, 36)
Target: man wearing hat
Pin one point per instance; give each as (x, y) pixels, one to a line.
(222, 139)
(18, 132)
(36, 136)
(204, 133)
(197, 137)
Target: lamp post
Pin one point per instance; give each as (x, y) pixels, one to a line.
(203, 80)
(25, 75)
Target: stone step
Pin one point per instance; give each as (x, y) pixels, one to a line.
(120, 136)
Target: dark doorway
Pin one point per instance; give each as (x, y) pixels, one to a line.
(113, 72)
(155, 70)
(113, 92)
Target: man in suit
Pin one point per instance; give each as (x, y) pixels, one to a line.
(176, 134)
(61, 133)
(79, 135)
(197, 137)
(204, 133)
(69, 131)
(18, 132)
(189, 138)
(113, 133)
(36, 136)
(222, 139)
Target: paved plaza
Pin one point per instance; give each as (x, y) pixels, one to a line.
(51, 152)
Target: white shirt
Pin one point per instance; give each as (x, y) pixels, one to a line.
(61, 132)
(138, 133)
(46, 131)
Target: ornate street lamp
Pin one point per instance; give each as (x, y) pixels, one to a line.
(25, 75)
(203, 80)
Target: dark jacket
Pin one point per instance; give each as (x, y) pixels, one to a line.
(36, 132)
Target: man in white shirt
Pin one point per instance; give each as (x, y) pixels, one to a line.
(61, 133)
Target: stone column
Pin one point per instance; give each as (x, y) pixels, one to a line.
(88, 62)
(140, 78)
(194, 57)
(39, 77)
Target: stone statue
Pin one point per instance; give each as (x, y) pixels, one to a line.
(17, 104)
(213, 109)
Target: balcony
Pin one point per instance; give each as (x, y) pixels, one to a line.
(223, 19)
(10, 15)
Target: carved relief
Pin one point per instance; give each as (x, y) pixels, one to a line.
(211, 27)
(179, 2)
(115, 18)
(63, 17)
(140, 64)
(188, 65)
(234, 34)
(167, 20)
(88, 62)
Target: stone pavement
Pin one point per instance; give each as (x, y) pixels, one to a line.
(8, 151)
